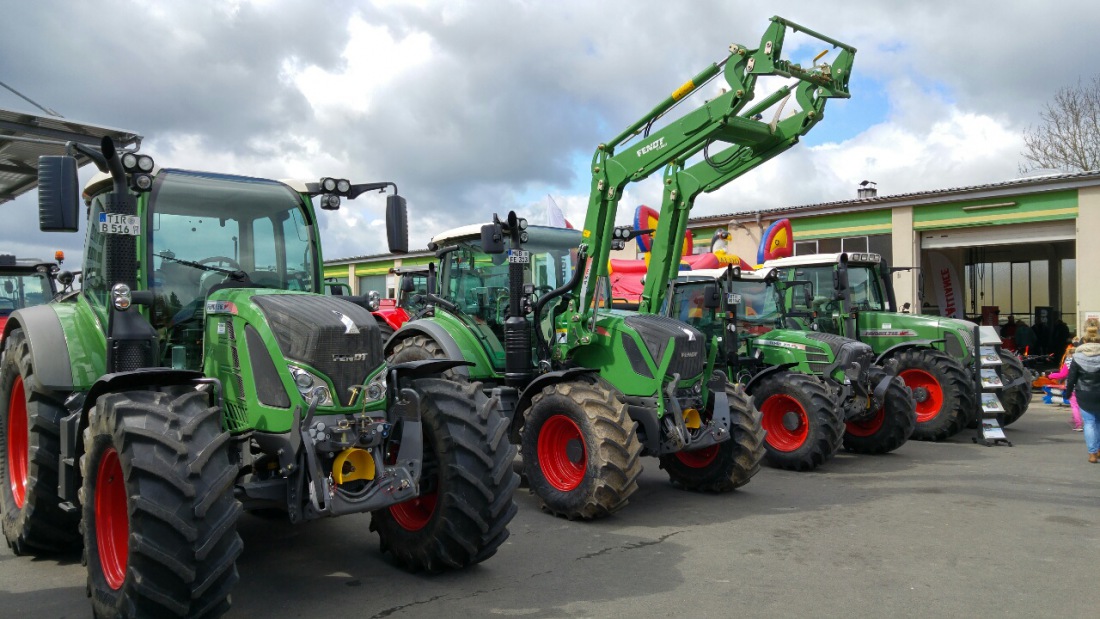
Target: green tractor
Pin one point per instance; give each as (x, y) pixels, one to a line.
(643, 386)
(816, 391)
(199, 372)
(592, 373)
(853, 296)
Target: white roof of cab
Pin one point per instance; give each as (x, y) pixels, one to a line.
(461, 232)
(819, 259)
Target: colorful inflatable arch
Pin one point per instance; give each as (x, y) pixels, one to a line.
(776, 242)
(645, 218)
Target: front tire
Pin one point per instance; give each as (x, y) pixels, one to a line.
(159, 517)
(729, 464)
(801, 418)
(887, 428)
(461, 516)
(30, 425)
(581, 455)
(942, 389)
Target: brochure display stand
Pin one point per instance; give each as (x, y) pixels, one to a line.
(990, 431)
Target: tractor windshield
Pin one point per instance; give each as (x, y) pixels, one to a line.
(207, 229)
(864, 291)
(759, 309)
(477, 282)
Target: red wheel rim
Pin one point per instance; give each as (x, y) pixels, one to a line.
(869, 426)
(699, 458)
(18, 454)
(927, 393)
(112, 524)
(415, 514)
(782, 407)
(563, 456)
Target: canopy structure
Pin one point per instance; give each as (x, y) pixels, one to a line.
(25, 137)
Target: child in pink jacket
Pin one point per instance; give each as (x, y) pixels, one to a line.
(1061, 375)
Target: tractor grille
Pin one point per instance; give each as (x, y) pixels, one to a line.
(338, 338)
(690, 356)
(818, 360)
(235, 417)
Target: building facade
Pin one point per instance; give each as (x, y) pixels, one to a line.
(1023, 249)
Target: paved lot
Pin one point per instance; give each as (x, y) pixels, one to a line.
(933, 530)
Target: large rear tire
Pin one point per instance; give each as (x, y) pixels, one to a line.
(729, 464)
(802, 421)
(30, 425)
(461, 516)
(942, 390)
(581, 455)
(1015, 400)
(887, 428)
(159, 516)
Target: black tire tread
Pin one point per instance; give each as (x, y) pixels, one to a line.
(475, 485)
(897, 426)
(960, 402)
(183, 538)
(614, 452)
(1015, 401)
(826, 425)
(41, 524)
(738, 458)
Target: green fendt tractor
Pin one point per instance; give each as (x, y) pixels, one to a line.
(199, 372)
(814, 390)
(853, 296)
(642, 385)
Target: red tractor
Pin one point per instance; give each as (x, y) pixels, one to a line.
(411, 292)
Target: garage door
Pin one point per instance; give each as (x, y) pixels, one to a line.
(1008, 234)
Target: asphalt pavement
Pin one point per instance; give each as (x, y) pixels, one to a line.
(932, 530)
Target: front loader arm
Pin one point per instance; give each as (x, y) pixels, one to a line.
(717, 120)
(743, 153)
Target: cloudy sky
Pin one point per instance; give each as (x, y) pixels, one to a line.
(484, 106)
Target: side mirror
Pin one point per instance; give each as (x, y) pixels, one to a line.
(431, 278)
(840, 275)
(492, 239)
(65, 278)
(58, 194)
(407, 284)
(711, 298)
(397, 224)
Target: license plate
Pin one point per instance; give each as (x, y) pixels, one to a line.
(519, 256)
(110, 223)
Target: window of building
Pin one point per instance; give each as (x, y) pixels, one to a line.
(854, 244)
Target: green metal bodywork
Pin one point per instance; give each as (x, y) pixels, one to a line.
(83, 317)
(876, 322)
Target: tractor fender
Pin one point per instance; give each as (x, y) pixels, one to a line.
(766, 372)
(533, 388)
(73, 424)
(145, 377)
(49, 350)
(896, 348)
(435, 331)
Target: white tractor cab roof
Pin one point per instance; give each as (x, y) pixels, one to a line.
(757, 274)
(853, 258)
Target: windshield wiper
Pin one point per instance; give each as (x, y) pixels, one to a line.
(235, 274)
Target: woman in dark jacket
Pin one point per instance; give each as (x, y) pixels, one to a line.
(1084, 378)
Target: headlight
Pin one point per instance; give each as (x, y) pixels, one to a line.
(310, 384)
(376, 388)
(120, 296)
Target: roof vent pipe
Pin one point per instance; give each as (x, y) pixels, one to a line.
(867, 190)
